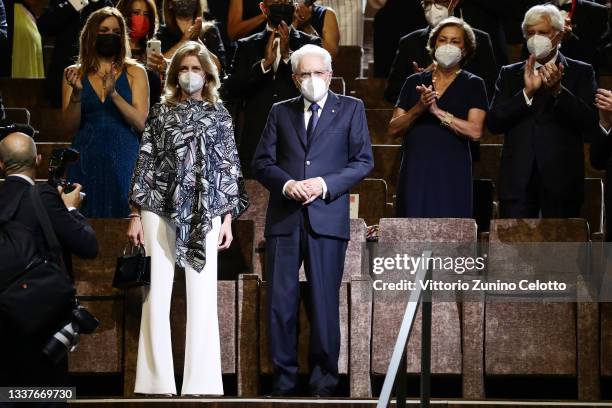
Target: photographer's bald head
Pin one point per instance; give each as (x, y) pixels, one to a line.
(18, 155)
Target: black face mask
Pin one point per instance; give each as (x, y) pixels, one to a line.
(280, 12)
(108, 45)
(184, 8)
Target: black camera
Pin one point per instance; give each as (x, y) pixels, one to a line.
(58, 164)
(66, 339)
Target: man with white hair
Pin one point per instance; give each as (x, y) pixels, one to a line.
(313, 150)
(544, 106)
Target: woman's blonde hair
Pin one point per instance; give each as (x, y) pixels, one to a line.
(88, 57)
(210, 92)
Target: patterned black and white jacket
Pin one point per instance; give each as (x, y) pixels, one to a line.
(188, 171)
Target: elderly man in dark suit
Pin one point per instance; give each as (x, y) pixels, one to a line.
(544, 107)
(313, 150)
(23, 363)
(412, 54)
(586, 32)
(260, 74)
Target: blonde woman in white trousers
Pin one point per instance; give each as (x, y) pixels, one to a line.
(184, 196)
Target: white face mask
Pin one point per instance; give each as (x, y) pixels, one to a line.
(448, 55)
(314, 88)
(191, 82)
(540, 46)
(435, 13)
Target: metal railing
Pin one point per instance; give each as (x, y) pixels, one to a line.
(396, 373)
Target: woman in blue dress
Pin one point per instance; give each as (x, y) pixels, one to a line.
(105, 101)
(439, 112)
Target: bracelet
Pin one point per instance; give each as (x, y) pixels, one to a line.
(447, 119)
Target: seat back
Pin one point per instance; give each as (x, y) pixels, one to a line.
(530, 338)
(388, 313)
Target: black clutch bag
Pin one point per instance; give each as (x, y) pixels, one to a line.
(133, 269)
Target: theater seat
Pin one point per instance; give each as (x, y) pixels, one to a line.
(370, 91)
(378, 121)
(258, 199)
(372, 199)
(487, 168)
(93, 280)
(456, 340)
(347, 63)
(387, 160)
(593, 207)
(540, 338)
(337, 85)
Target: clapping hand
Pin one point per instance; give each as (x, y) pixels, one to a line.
(73, 78)
(270, 55)
(533, 79)
(193, 32)
(283, 31)
(603, 102)
(428, 96)
(417, 69)
(551, 76)
(567, 27)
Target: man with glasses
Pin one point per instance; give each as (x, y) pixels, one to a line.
(314, 148)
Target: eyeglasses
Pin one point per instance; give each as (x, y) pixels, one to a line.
(305, 75)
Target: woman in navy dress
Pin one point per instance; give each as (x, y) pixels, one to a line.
(105, 102)
(438, 113)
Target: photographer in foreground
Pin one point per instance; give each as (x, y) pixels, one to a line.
(23, 362)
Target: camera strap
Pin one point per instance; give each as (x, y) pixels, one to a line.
(9, 209)
(45, 223)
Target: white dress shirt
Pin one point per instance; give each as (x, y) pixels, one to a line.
(23, 176)
(536, 66)
(307, 115)
(529, 101)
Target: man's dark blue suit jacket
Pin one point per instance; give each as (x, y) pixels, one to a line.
(339, 151)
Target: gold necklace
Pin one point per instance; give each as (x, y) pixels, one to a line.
(435, 74)
(434, 77)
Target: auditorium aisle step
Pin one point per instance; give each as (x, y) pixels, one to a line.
(314, 403)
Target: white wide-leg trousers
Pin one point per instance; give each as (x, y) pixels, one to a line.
(155, 367)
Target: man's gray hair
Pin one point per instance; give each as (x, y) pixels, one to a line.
(547, 11)
(310, 49)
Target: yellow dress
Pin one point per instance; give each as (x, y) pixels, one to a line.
(27, 46)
